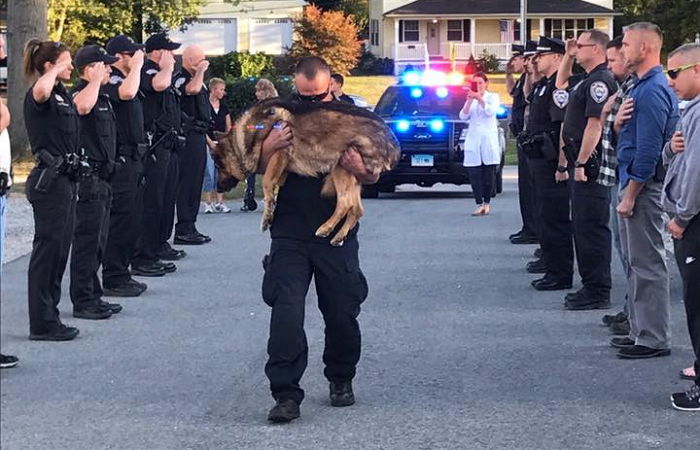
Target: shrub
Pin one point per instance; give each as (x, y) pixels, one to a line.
(489, 62)
(240, 92)
(371, 65)
(243, 64)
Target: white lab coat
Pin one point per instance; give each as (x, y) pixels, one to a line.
(481, 145)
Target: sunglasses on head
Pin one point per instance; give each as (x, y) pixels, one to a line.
(673, 73)
(56, 44)
(313, 98)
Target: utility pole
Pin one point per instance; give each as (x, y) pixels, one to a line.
(523, 22)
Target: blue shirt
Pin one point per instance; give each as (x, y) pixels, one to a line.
(642, 138)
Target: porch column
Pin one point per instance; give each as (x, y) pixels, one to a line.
(541, 28)
(472, 36)
(396, 46)
(611, 29)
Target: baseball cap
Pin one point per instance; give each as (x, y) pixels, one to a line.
(160, 41)
(123, 44)
(92, 54)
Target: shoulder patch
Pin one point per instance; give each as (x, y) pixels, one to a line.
(151, 72)
(115, 79)
(560, 98)
(179, 82)
(59, 98)
(599, 91)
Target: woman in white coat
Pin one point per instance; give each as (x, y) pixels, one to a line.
(482, 153)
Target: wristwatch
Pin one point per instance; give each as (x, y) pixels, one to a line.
(579, 164)
(562, 169)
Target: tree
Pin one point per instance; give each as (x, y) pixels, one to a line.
(359, 10)
(330, 35)
(679, 19)
(26, 19)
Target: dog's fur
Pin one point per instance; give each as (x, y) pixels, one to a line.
(322, 132)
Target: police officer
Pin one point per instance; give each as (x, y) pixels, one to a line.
(53, 130)
(98, 139)
(541, 146)
(297, 255)
(196, 120)
(162, 125)
(581, 135)
(127, 181)
(527, 233)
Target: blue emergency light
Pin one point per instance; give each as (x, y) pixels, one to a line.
(437, 125)
(416, 92)
(442, 92)
(403, 126)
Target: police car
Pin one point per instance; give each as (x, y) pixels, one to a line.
(423, 112)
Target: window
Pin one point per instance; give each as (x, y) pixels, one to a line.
(455, 30)
(374, 32)
(410, 31)
(516, 31)
(567, 28)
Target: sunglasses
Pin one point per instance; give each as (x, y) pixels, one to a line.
(56, 44)
(673, 73)
(313, 98)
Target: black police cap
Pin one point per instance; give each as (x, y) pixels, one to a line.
(551, 45)
(123, 44)
(517, 50)
(530, 48)
(160, 41)
(92, 54)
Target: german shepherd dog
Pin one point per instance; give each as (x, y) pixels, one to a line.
(322, 132)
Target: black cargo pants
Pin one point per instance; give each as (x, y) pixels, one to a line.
(89, 240)
(590, 204)
(193, 161)
(54, 216)
(553, 208)
(687, 251)
(124, 221)
(341, 289)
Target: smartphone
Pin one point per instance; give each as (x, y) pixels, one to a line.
(473, 86)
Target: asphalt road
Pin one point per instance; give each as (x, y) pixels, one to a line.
(459, 352)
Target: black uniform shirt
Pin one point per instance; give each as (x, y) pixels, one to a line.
(52, 125)
(98, 128)
(547, 107)
(586, 99)
(346, 98)
(517, 118)
(218, 122)
(194, 106)
(129, 113)
(301, 209)
(161, 110)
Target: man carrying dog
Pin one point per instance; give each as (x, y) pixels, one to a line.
(297, 255)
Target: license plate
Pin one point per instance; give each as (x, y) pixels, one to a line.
(422, 160)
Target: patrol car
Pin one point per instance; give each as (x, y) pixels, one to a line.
(423, 112)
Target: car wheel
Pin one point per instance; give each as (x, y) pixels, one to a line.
(370, 191)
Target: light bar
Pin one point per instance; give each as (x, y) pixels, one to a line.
(431, 78)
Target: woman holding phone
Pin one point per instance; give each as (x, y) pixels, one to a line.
(482, 152)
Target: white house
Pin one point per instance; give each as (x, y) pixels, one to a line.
(434, 32)
(256, 26)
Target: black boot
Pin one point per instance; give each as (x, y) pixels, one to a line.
(341, 393)
(284, 411)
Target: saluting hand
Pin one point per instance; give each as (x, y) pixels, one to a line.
(136, 62)
(96, 72)
(167, 61)
(203, 66)
(571, 47)
(677, 142)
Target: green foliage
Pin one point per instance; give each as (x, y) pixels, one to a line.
(240, 64)
(371, 65)
(489, 62)
(359, 10)
(240, 92)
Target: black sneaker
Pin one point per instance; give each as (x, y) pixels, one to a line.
(642, 352)
(114, 308)
(609, 319)
(620, 328)
(57, 333)
(621, 342)
(687, 401)
(92, 312)
(341, 393)
(284, 411)
(8, 361)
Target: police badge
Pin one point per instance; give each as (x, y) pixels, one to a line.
(599, 92)
(560, 98)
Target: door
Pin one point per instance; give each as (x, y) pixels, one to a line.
(434, 39)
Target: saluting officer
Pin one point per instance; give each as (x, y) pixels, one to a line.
(161, 112)
(98, 140)
(541, 146)
(127, 182)
(516, 88)
(196, 120)
(581, 136)
(53, 131)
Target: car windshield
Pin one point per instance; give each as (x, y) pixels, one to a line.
(421, 100)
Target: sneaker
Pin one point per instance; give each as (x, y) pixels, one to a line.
(208, 208)
(341, 393)
(687, 401)
(609, 319)
(284, 411)
(222, 208)
(92, 312)
(57, 333)
(8, 361)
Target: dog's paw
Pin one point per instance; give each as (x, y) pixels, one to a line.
(323, 231)
(335, 242)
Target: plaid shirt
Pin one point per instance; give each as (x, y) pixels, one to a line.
(608, 158)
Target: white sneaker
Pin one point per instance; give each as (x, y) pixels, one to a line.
(222, 208)
(208, 208)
